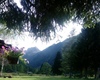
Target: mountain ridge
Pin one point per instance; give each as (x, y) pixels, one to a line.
(46, 55)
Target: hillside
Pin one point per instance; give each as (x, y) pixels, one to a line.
(47, 55)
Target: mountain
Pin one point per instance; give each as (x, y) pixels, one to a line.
(47, 55)
(30, 52)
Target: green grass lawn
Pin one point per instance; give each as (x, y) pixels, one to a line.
(39, 78)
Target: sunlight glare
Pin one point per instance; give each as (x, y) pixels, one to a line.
(61, 36)
(18, 3)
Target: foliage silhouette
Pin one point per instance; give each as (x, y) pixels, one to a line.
(43, 17)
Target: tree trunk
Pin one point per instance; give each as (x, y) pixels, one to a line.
(95, 74)
(81, 73)
(70, 75)
(98, 73)
(85, 73)
(2, 65)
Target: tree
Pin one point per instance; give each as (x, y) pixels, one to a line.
(84, 54)
(57, 64)
(43, 17)
(95, 52)
(45, 68)
(88, 47)
(20, 67)
(68, 62)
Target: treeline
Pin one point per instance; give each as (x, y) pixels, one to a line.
(82, 59)
(79, 58)
(48, 69)
(23, 67)
(20, 67)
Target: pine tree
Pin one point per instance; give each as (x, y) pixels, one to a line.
(57, 64)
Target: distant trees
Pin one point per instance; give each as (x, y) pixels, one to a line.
(45, 68)
(21, 67)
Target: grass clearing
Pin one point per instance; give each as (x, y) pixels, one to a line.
(39, 78)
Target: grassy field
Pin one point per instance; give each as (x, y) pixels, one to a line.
(39, 78)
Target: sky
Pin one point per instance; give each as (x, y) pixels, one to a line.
(18, 3)
(26, 41)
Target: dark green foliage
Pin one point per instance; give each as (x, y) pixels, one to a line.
(87, 49)
(20, 67)
(68, 56)
(57, 64)
(13, 17)
(45, 68)
(84, 55)
(42, 17)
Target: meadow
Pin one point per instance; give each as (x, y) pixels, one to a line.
(40, 78)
